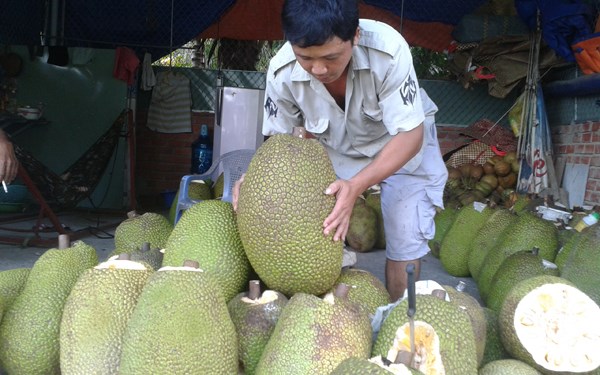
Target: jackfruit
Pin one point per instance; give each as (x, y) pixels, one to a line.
(582, 266)
(146, 254)
(29, 332)
(456, 245)
(150, 227)
(451, 325)
(281, 209)
(180, 325)
(487, 237)
(494, 349)
(516, 267)
(218, 186)
(366, 289)
(198, 190)
(362, 229)
(527, 232)
(96, 314)
(443, 221)
(474, 310)
(314, 335)
(207, 233)
(254, 316)
(508, 367)
(549, 324)
(373, 366)
(11, 285)
(373, 200)
(571, 239)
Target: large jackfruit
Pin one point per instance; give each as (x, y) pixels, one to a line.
(149, 227)
(11, 285)
(443, 221)
(494, 349)
(549, 324)
(207, 233)
(314, 335)
(96, 315)
(527, 232)
(281, 209)
(362, 230)
(582, 266)
(373, 200)
(451, 325)
(366, 289)
(254, 316)
(180, 325)
(29, 332)
(456, 245)
(508, 367)
(486, 238)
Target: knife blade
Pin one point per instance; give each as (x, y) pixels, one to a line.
(412, 306)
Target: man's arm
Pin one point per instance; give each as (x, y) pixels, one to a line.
(9, 165)
(394, 155)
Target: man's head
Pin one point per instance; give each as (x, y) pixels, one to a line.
(322, 33)
(308, 23)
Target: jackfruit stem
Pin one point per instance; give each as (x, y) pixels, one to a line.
(132, 214)
(191, 263)
(124, 256)
(254, 290)
(64, 241)
(341, 290)
(145, 247)
(535, 251)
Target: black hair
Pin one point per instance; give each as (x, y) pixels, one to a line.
(314, 22)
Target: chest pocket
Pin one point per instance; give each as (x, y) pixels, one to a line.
(371, 114)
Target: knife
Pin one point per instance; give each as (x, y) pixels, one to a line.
(412, 305)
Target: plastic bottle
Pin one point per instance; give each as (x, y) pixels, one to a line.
(587, 221)
(202, 150)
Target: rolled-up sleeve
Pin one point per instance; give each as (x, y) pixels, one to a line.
(281, 114)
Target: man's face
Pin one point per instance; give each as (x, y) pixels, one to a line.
(326, 62)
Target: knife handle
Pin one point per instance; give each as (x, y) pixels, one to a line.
(410, 273)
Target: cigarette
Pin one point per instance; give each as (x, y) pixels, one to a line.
(4, 186)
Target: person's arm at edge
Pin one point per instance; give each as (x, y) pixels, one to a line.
(9, 165)
(393, 156)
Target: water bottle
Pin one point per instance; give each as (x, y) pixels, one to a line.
(202, 150)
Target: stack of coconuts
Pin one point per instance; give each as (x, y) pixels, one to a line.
(493, 179)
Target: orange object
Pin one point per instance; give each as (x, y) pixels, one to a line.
(587, 54)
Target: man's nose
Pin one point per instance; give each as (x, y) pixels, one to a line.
(318, 69)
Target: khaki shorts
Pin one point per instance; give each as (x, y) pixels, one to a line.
(408, 214)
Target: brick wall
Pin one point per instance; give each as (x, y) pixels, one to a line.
(162, 159)
(580, 144)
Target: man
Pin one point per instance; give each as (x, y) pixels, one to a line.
(9, 165)
(352, 85)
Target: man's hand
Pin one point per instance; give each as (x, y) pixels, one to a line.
(235, 192)
(9, 164)
(339, 219)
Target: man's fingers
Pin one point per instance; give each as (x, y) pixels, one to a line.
(236, 192)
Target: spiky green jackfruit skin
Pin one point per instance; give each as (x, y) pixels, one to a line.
(281, 209)
(582, 266)
(506, 315)
(153, 257)
(362, 230)
(361, 366)
(313, 336)
(516, 267)
(180, 325)
(254, 323)
(508, 367)
(218, 186)
(452, 325)
(570, 239)
(197, 191)
(11, 284)
(443, 221)
(527, 232)
(456, 245)
(487, 237)
(366, 289)
(474, 310)
(494, 349)
(373, 200)
(29, 332)
(150, 227)
(207, 233)
(95, 317)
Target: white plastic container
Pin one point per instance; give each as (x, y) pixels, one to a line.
(587, 221)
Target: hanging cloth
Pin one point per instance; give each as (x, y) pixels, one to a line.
(148, 78)
(171, 104)
(126, 65)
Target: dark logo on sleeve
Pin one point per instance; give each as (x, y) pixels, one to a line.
(408, 91)
(270, 108)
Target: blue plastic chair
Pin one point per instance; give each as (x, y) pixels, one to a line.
(233, 165)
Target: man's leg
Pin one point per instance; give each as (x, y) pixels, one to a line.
(396, 276)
